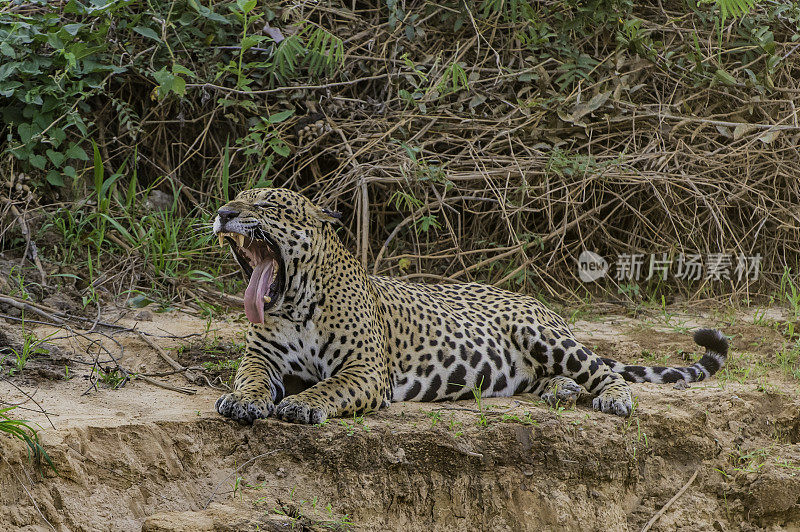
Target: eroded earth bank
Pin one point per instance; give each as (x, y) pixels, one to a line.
(142, 457)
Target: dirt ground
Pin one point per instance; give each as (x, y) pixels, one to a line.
(142, 457)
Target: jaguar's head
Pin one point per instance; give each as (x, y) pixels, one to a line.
(273, 233)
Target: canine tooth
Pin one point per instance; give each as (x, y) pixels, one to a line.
(240, 240)
(221, 240)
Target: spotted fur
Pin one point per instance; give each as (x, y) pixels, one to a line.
(357, 342)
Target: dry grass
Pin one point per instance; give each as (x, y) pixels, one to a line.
(508, 174)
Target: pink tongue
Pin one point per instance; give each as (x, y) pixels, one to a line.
(259, 285)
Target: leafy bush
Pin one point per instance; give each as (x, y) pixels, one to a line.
(63, 64)
(517, 132)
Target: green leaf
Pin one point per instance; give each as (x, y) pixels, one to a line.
(55, 157)
(7, 49)
(8, 69)
(279, 147)
(38, 161)
(163, 77)
(74, 7)
(69, 171)
(76, 152)
(72, 29)
(147, 32)
(7, 88)
(180, 69)
(280, 117)
(124, 232)
(179, 86)
(724, 77)
(55, 41)
(246, 5)
(207, 13)
(139, 301)
(57, 136)
(98, 169)
(25, 132)
(735, 8)
(55, 179)
(165, 80)
(79, 123)
(250, 41)
(200, 275)
(108, 183)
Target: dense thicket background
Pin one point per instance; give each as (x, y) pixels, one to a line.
(489, 140)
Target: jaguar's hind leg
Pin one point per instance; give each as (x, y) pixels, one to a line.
(555, 352)
(613, 395)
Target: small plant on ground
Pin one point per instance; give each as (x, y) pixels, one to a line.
(453, 425)
(358, 421)
(31, 346)
(790, 292)
(26, 433)
(789, 360)
(112, 377)
(525, 419)
(477, 394)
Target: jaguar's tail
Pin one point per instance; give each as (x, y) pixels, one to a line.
(716, 345)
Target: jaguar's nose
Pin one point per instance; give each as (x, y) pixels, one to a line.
(227, 214)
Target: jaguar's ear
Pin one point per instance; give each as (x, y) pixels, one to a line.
(327, 215)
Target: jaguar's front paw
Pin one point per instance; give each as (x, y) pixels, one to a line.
(244, 409)
(296, 410)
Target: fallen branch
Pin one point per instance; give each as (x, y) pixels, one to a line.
(179, 389)
(30, 246)
(10, 468)
(22, 305)
(191, 377)
(664, 508)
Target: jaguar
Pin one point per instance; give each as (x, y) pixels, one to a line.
(327, 339)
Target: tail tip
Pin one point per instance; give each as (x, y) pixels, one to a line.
(713, 340)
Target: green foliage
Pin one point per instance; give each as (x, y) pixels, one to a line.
(324, 51)
(31, 346)
(26, 433)
(405, 201)
(454, 79)
(55, 63)
(790, 292)
(264, 141)
(508, 10)
(112, 221)
(110, 100)
(525, 419)
(112, 377)
(733, 8)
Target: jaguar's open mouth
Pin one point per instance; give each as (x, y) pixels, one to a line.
(263, 265)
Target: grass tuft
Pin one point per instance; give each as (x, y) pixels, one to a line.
(25, 432)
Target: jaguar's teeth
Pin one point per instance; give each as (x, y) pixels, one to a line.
(240, 240)
(221, 240)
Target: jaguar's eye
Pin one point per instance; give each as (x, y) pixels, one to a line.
(261, 204)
